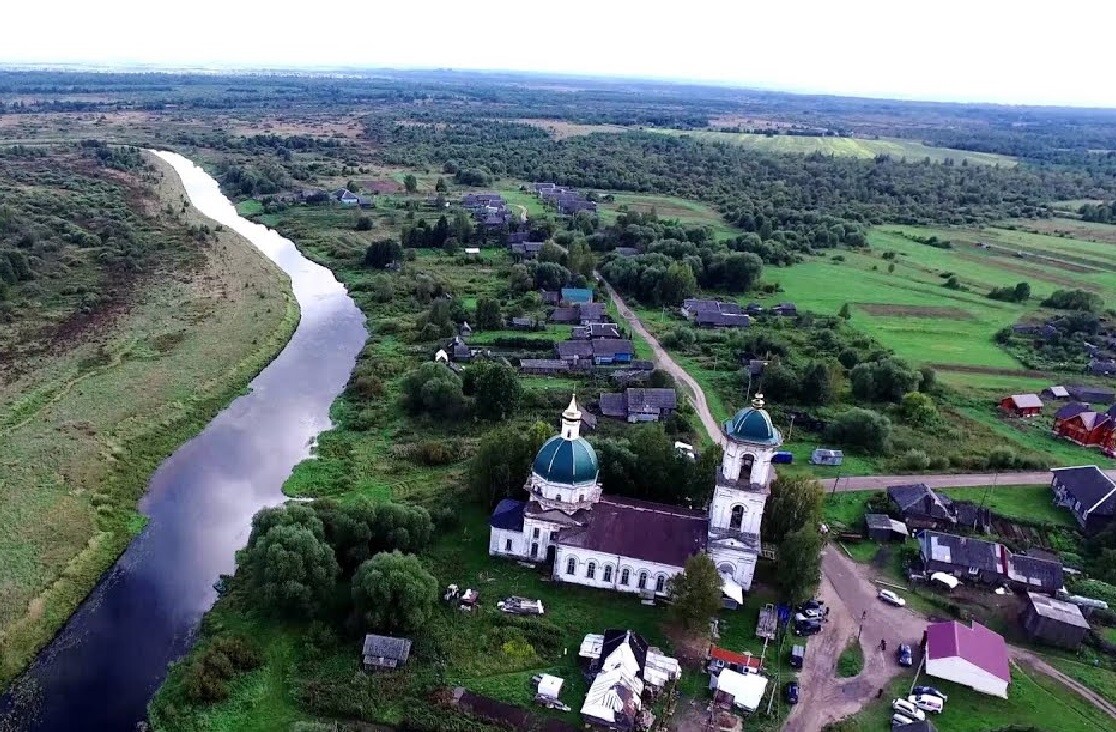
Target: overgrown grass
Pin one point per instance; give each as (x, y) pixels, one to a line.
(851, 661)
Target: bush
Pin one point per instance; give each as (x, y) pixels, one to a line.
(861, 428)
(206, 678)
(433, 453)
(1001, 458)
(914, 460)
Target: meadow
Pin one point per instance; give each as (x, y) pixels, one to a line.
(856, 147)
(79, 439)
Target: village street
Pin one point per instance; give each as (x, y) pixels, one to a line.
(849, 591)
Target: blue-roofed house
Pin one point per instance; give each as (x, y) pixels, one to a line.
(572, 295)
(506, 522)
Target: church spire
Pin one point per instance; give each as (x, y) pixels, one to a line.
(571, 420)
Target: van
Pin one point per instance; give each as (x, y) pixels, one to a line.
(927, 703)
(798, 656)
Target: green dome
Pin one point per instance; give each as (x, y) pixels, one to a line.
(566, 461)
(752, 424)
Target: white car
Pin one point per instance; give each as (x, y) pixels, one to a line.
(927, 703)
(891, 598)
(904, 707)
(897, 720)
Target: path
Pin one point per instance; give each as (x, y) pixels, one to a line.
(1020, 655)
(939, 480)
(665, 362)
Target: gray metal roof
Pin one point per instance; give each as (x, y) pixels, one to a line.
(386, 646)
(1063, 612)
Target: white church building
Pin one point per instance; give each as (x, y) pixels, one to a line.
(630, 545)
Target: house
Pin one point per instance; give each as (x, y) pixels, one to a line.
(543, 366)
(719, 659)
(625, 666)
(1055, 392)
(1052, 621)
(1101, 367)
(574, 349)
(734, 689)
(459, 350)
(580, 313)
(753, 309)
(692, 307)
(881, 527)
(639, 405)
(1087, 428)
(549, 297)
(525, 323)
(708, 319)
(345, 197)
(1069, 411)
(596, 330)
(975, 657)
(921, 507)
(785, 308)
(1092, 394)
(988, 563)
(1088, 493)
(1022, 405)
(825, 456)
(612, 350)
(385, 652)
(465, 330)
(626, 251)
(573, 295)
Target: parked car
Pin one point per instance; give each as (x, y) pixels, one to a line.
(798, 656)
(904, 655)
(929, 690)
(898, 720)
(904, 707)
(891, 598)
(928, 703)
(782, 458)
(792, 693)
(807, 627)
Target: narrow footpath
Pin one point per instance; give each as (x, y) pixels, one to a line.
(850, 593)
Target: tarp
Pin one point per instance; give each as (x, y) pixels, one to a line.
(732, 589)
(550, 686)
(746, 690)
(946, 579)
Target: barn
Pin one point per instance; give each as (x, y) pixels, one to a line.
(1022, 405)
(1056, 622)
(881, 527)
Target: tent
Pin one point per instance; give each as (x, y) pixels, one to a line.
(745, 690)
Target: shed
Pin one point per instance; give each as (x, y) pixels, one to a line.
(881, 527)
(739, 690)
(1056, 392)
(1022, 405)
(385, 651)
(1091, 394)
(825, 456)
(1053, 621)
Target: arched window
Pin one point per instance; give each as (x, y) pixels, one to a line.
(736, 520)
(591, 570)
(660, 584)
(746, 464)
(607, 573)
(727, 569)
(535, 550)
(642, 581)
(624, 577)
(571, 565)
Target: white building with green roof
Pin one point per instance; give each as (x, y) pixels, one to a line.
(629, 545)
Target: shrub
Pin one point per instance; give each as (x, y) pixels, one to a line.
(862, 428)
(914, 460)
(1001, 457)
(433, 453)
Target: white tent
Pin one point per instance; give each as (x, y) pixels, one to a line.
(946, 579)
(731, 589)
(550, 686)
(746, 690)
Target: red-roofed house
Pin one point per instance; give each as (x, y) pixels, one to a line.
(1022, 405)
(975, 657)
(722, 658)
(1088, 428)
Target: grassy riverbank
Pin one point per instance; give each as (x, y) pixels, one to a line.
(87, 419)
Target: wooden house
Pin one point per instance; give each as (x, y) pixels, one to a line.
(1088, 493)
(385, 652)
(1022, 405)
(1052, 621)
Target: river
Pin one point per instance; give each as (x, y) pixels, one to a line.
(100, 671)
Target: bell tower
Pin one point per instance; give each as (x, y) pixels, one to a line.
(742, 484)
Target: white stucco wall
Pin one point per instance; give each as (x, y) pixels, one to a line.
(959, 670)
(733, 461)
(743, 565)
(582, 559)
(724, 499)
(497, 543)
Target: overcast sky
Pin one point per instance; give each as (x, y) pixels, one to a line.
(973, 50)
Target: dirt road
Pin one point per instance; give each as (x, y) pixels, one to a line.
(939, 480)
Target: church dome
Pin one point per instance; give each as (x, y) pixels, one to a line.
(753, 424)
(566, 461)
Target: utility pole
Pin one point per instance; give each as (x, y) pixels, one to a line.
(835, 482)
(791, 428)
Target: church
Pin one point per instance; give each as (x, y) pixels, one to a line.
(630, 545)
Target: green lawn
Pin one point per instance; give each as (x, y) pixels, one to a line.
(249, 206)
(1030, 502)
(856, 147)
(667, 207)
(851, 661)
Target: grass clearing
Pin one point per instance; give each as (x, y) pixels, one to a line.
(851, 661)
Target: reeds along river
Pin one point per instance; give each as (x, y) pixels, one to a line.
(106, 663)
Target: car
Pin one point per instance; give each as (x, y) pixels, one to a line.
(929, 691)
(807, 628)
(898, 720)
(927, 703)
(798, 656)
(792, 693)
(904, 655)
(891, 598)
(807, 617)
(814, 604)
(904, 707)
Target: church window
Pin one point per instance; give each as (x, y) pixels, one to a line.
(508, 545)
(535, 533)
(591, 570)
(726, 569)
(607, 573)
(746, 464)
(642, 581)
(736, 520)
(571, 566)
(660, 583)
(624, 577)
(535, 549)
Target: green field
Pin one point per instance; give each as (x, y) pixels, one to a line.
(844, 146)
(667, 207)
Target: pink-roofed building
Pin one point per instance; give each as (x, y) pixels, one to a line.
(975, 657)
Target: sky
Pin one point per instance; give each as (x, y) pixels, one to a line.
(1019, 52)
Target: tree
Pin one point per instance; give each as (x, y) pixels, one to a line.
(496, 388)
(393, 592)
(844, 312)
(581, 260)
(918, 409)
(488, 314)
(433, 389)
(410, 183)
(861, 428)
(500, 465)
(440, 185)
(886, 380)
(696, 592)
(799, 564)
(289, 570)
(1074, 300)
(795, 501)
(819, 383)
(383, 252)
(363, 528)
(677, 284)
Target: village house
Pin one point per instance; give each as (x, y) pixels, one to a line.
(1102, 367)
(574, 350)
(385, 652)
(580, 313)
(1088, 493)
(612, 350)
(988, 562)
(722, 320)
(525, 323)
(597, 330)
(1080, 424)
(635, 546)
(1092, 394)
(625, 668)
(785, 309)
(694, 306)
(1056, 392)
(975, 657)
(732, 689)
(1022, 405)
(543, 366)
(1052, 621)
(720, 659)
(525, 250)
(639, 405)
(921, 507)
